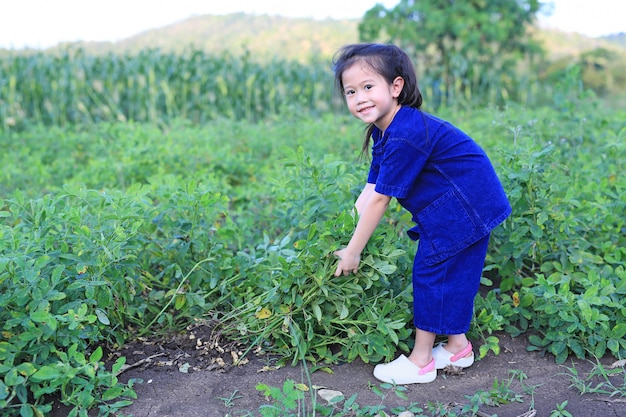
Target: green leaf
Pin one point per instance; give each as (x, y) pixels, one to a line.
(39, 316)
(96, 355)
(55, 296)
(561, 357)
(536, 340)
(344, 312)
(618, 331)
(46, 373)
(31, 334)
(12, 378)
(317, 312)
(120, 404)
(600, 349)
(385, 268)
(26, 410)
(557, 348)
(26, 368)
(85, 399)
(56, 274)
(4, 390)
(112, 393)
(117, 366)
(180, 301)
(506, 284)
(576, 348)
(102, 317)
(486, 281)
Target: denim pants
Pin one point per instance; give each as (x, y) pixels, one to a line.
(443, 293)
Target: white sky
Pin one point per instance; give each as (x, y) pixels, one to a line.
(44, 23)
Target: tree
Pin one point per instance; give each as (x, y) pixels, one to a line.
(467, 49)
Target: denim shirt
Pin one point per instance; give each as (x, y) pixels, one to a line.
(442, 177)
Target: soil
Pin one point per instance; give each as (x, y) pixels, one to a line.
(194, 375)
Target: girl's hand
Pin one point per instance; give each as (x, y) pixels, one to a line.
(348, 262)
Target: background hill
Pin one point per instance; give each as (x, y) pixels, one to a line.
(265, 37)
(268, 37)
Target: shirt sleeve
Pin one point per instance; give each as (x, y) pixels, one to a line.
(372, 176)
(401, 162)
(376, 157)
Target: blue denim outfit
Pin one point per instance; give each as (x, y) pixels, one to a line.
(446, 181)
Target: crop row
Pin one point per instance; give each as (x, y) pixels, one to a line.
(74, 87)
(153, 87)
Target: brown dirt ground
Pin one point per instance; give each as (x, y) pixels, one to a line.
(213, 387)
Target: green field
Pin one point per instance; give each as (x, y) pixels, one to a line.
(117, 227)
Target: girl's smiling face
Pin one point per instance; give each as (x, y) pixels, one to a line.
(369, 96)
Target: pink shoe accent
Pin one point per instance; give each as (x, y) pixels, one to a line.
(467, 349)
(444, 358)
(428, 368)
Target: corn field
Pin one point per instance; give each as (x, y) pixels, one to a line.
(77, 88)
(151, 86)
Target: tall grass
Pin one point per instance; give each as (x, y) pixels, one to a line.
(74, 87)
(156, 87)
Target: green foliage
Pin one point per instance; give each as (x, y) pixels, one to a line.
(154, 86)
(291, 400)
(288, 401)
(602, 379)
(560, 257)
(601, 70)
(466, 52)
(115, 230)
(291, 303)
(500, 394)
(75, 272)
(560, 411)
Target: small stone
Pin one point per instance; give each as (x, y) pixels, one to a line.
(330, 395)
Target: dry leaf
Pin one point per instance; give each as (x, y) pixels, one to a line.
(263, 313)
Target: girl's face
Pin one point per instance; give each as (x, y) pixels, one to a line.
(369, 96)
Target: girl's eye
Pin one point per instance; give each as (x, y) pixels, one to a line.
(368, 87)
(348, 92)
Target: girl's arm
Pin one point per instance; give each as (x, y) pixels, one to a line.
(363, 197)
(372, 212)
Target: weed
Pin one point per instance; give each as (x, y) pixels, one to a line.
(230, 400)
(605, 380)
(561, 411)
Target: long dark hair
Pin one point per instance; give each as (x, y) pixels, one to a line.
(387, 60)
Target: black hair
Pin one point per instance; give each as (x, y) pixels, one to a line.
(387, 60)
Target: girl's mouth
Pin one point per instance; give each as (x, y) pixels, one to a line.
(365, 110)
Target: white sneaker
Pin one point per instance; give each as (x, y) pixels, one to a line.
(444, 358)
(402, 371)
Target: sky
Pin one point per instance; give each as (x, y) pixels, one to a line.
(45, 23)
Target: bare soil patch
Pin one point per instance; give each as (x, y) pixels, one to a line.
(193, 375)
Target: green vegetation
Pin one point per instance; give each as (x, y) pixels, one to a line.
(115, 230)
(76, 88)
(139, 192)
(252, 67)
(296, 399)
(474, 57)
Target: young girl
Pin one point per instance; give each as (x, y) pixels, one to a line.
(444, 179)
